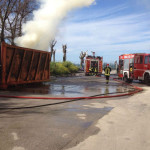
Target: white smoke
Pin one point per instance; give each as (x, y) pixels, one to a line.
(41, 30)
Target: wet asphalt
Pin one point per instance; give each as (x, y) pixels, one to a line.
(30, 124)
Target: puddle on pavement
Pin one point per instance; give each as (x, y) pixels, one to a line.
(71, 90)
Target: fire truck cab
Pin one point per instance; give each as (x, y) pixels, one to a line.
(93, 65)
(134, 67)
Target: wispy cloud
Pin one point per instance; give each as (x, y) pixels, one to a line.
(111, 31)
(145, 3)
(95, 14)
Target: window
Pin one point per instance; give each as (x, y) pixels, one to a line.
(146, 60)
(121, 64)
(126, 64)
(141, 59)
(135, 60)
(138, 60)
(132, 61)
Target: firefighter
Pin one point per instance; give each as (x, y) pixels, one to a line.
(91, 70)
(107, 71)
(95, 70)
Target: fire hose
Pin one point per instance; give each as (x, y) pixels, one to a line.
(71, 99)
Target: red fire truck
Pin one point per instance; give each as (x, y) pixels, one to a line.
(93, 65)
(134, 67)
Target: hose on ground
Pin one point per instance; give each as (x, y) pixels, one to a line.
(71, 99)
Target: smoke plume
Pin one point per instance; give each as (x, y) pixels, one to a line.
(41, 30)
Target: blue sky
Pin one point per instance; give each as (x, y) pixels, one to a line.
(108, 27)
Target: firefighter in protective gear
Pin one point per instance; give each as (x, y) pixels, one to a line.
(107, 71)
(91, 70)
(95, 70)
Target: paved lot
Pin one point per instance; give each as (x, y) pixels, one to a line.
(102, 124)
(125, 127)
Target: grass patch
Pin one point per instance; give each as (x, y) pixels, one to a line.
(62, 68)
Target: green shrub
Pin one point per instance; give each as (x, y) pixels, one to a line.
(71, 67)
(58, 68)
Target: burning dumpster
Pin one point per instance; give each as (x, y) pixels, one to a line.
(22, 65)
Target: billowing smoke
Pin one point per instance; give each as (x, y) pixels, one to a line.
(41, 30)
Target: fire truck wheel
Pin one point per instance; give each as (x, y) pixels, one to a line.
(125, 78)
(146, 78)
(130, 80)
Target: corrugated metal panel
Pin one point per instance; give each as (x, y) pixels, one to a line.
(22, 65)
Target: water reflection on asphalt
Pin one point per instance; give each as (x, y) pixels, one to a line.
(52, 89)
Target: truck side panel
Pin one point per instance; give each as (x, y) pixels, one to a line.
(22, 65)
(87, 65)
(100, 67)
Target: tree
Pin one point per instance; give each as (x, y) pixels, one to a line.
(6, 7)
(13, 13)
(82, 55)
(54, 55)
(64, 52)
(52, 45)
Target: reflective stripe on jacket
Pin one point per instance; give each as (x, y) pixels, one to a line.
(95, 70)
(107, 71)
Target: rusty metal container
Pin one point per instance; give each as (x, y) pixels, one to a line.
(21, 65)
